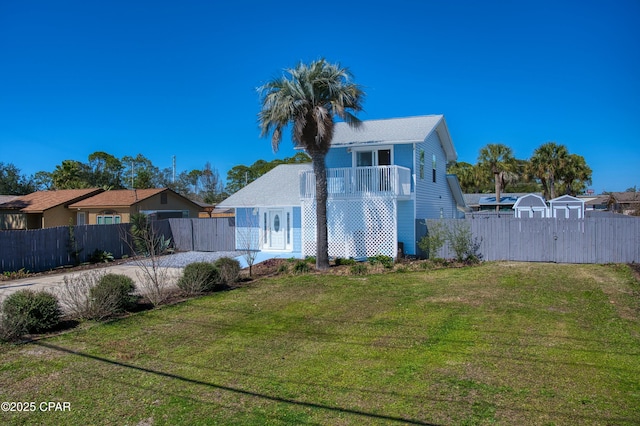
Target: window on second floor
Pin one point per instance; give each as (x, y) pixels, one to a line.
(434, 167)
(377, 157)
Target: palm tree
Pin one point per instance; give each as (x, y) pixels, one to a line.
(576, 174)
(547, 163)
(497, 159)
(308, 98)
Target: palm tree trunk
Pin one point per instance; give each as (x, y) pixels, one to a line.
(322, 243)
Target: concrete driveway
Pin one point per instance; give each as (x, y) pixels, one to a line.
(53, 283)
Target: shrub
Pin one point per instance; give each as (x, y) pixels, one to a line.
(381, 259)
(434, 240)
(14, 275)
(229, 269)
(340, 261)
(310, 259)
(112, 295)
(74, 294)
(199, 277)
(100, 256)
(26, 311)
(459, 238)
(283, 269)
(359, 269)
(301, 267)
(466, 248)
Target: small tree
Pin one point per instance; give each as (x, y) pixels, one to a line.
(153, 274)
(462, 242)
(434, 240)
(458, 237)
(248, 238)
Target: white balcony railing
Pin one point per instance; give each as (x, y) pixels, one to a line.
(354, 182)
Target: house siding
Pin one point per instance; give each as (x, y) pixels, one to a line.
(297, 229)
(403, 156)
(406, 226)
(174, 202)
(338, 157)
(433, 199)
(247, 229)
(58, 216)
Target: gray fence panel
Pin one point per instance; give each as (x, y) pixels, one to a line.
(206, 234)
(214, 234)
(590, 240)
(42, 249)
(182, 231)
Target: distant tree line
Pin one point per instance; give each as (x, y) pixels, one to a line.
(103, 170)
(551, 170)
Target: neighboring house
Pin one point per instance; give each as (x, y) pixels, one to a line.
(625, 202)
(117, 206)
(43, 209)
(383, 179)
(10, 220)
(210, 210)
(596, 203)
(531, 206)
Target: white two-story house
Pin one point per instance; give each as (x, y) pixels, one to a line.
(384, 179)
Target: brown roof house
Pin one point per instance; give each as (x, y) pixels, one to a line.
(625, 202)
(117, 206)
(43, 209)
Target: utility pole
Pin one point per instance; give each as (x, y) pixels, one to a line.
(174, 169)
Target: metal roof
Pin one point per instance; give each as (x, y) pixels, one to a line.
(395, 130)
(278, 187)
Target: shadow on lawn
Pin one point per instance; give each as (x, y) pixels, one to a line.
(239, 391)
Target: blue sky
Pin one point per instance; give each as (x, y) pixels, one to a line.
(166, 78)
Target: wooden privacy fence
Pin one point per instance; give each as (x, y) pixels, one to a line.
(42, 249)
(207, 234)
(589, 240)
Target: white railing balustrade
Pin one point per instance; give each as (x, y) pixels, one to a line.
(350, 182)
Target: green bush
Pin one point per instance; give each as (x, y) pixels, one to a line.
(457, 236)
(435, 239)
(112, 295)
(301, 267)
(310, 259)
(100, 256)
(340, 261)
(381, 259)
(199, 277)
(229, 270)
(26, 311)
(283, 269)
(359, 269)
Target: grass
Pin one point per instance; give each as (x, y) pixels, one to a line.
(501, 343)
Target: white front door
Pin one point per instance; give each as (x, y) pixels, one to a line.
(277, 229)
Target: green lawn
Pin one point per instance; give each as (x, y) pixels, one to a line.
(500, 343)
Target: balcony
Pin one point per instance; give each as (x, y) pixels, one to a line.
(359, 182)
